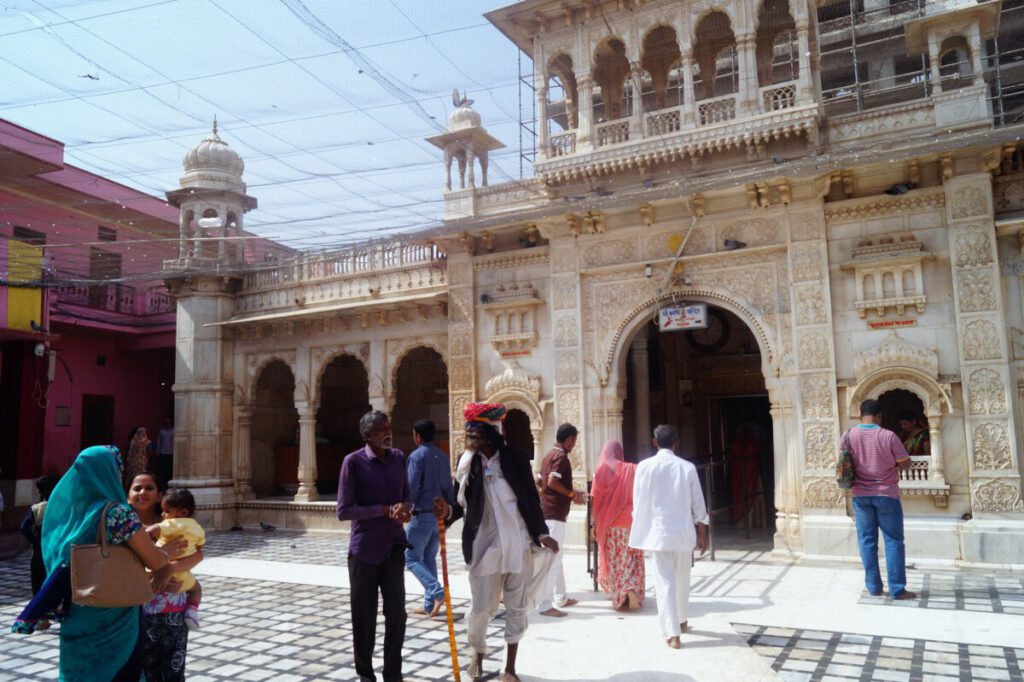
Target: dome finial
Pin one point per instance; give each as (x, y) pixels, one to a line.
(215, 125)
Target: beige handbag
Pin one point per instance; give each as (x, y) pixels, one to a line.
(107, 576)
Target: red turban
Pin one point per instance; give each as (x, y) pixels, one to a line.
(484, 413)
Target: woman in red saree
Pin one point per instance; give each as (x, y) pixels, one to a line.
(620, 568)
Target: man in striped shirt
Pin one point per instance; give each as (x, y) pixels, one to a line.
(878, 458)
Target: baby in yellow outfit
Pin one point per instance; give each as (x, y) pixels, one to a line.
(178, 506)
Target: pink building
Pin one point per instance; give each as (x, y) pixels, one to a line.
(86, 323)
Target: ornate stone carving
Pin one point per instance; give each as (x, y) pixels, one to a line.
(257, 361)
(991, 447)
(459, 403)
(814, 352)
(567, 370)
(981, 341)
(460, 273)
(976, 291)
(822, 493)
(514, 379)
(609, 252)
(996, 495)
(461, 339)
(969, 201)
(987, 394)
(810, 305)
(568, 411)
(755, 232)
(511, 260)
(566, 333)
(807, 265)
(973, 248)
(563, 292)
(804, 226)
(816, 390)
(858, 209)
(895, 352)
(461, 374)
(460, 305)
(819, 446)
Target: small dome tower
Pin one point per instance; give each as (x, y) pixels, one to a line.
(466, 140)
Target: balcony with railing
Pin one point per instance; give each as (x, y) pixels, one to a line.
(380, 272)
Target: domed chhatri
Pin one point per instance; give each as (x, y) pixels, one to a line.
(463, 116)
(213, 160)
(464, 140)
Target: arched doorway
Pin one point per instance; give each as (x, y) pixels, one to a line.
(274, 432)
(518, 434)
(344, 398)
(421, 392)
(709, 383)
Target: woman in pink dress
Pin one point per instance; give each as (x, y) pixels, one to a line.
(620, 568)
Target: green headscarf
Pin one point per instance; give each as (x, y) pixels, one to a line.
(95, 643)
(73, 512)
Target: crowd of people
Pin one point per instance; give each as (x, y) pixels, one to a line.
(513, 526)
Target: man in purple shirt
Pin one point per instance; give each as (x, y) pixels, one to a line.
(373, 493)
(878, 457)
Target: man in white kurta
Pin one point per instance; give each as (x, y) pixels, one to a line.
(669, 520)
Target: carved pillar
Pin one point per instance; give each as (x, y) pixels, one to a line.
(974, 40)
(470, 169)
(243, 452)
(636, 116)
(689, 100)
(933, 61)
(936, 472)
(537, 431)
(746, 49)
(805, 89)
(307, 454)
(585, 88)
(642, 392)
(984, 361)
(787, 467)
(542, 122)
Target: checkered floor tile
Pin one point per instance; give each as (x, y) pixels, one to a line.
(279, 545)
(1002, 593)
(812, 655)
(251, 631)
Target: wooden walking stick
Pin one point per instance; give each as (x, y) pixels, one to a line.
(448, 601)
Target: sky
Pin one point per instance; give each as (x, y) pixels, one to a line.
(326, 101)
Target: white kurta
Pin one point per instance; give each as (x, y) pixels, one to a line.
(502, 538)
(667, 502)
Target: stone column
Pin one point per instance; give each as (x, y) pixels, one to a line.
(936, 473)
(747, 96)
(636, 117)
(243, 452)
(689, 99)
(787, 468)
(805, 88)
(933, 62)
(307, 454)
(585, 111)
(543, 143)
(642, 392)
(537, 431)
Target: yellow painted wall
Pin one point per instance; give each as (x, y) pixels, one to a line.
(23, 303)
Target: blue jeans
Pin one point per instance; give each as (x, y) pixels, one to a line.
(421, 558)
(872, 513)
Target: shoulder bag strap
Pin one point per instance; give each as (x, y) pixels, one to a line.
(101, 531)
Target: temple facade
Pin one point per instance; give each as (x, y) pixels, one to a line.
(833, 225)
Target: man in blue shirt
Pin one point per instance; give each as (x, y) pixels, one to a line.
(430, 477)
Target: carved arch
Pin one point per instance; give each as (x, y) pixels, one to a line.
(406, 346)
(326, 361)
(258, 362)
(515, 400)
(615, 360)
(932, 394)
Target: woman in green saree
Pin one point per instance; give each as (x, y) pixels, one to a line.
(95, 643)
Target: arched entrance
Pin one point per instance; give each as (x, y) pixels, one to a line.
(518, 433)
(274, 431)
(421, 392)
(709, 383)
(344, 398)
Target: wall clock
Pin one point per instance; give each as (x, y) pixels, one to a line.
(714, 336)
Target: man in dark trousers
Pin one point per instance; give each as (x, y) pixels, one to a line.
(430, 477)
(556, 494)
(373, 493)
(503, 521)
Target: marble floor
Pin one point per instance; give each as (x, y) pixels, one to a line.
(276, 608)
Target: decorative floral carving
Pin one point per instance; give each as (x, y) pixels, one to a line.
(567, 370)
(810, 305)
(817, 393)
(516, 380)
(460, 273)
(991, 447)
(997, 495)
(563, 292)
(823, 493)
(858, 209)
(973, 248)
(986, 392)
(807, 266)
(969, 201)
(806, 226)
(814, 351)
(976, 291)
(609, 252)
(460, 305)
(459, 402)
(895, 352)
(565, 331)
(981, 341)
(568, 409)
(461, 375)
(819, 446)
(461, 339)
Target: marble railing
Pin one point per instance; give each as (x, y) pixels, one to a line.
(717, 110)
(563, 144)
(613, 132)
